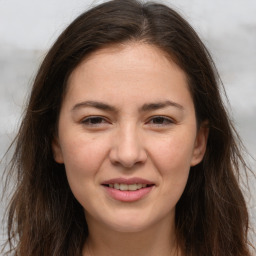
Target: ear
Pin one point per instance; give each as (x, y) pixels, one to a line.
(200, 144)
(56, 149)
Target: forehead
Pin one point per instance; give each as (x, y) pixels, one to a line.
(135, 56)
(135, 68)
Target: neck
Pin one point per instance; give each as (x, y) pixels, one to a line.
(159, 239)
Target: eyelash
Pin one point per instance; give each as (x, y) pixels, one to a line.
(94, 121)
(165, 121)
(158, 121)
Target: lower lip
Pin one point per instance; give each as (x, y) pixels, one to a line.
(128, 196)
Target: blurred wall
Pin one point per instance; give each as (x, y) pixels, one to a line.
(228, 28)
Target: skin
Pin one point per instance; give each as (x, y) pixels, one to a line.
(129, 138)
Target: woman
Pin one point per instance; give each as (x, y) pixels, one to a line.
(126, 147)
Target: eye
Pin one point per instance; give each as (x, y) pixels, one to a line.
(94, 121)
(160, 121)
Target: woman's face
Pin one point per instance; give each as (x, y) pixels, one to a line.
(127, 136)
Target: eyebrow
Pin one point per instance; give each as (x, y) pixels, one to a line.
(159, 105)
(144, 108)
(95, 104)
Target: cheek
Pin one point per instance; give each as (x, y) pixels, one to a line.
(172, 157)
(83, 159)
(174, 151)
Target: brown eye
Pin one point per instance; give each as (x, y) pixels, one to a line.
(94, 121)
(160, 121)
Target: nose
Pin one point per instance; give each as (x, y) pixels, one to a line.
(127, 149)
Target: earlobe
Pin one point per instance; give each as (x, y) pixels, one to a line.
(200, 144)
(56, 149)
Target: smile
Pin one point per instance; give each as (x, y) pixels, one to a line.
(127, 187)
(128, 190)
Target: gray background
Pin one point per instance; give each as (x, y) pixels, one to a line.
(227, 27)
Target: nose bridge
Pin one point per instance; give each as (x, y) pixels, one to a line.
(128, 148)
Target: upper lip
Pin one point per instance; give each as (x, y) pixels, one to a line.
(134, 180)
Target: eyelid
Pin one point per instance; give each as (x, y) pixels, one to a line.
(93, 117)
(170, 121)
(102, 121)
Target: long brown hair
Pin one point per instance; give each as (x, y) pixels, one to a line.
(45, 218)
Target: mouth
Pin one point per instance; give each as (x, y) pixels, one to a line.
(128, 190)
(128, 187)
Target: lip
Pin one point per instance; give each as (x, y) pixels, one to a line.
(126, 195)
(128, 181)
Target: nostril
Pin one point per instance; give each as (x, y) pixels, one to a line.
(127, 150)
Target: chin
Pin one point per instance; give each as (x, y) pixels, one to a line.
(131, 223)
(129, 227)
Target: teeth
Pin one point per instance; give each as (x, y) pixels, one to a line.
(130, 187)
(116, 186)
(123, 187)
(139, 186)
(133, 187)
